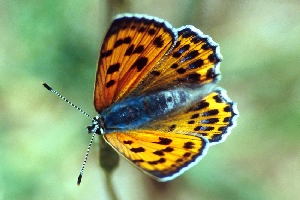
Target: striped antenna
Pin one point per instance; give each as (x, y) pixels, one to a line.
(66, 100)
(85, 159)
(83, 112)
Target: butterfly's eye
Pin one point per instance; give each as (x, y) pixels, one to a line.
(94, 128)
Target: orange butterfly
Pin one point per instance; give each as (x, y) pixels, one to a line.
(155, 95)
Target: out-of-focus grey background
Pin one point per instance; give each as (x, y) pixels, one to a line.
(43, 140)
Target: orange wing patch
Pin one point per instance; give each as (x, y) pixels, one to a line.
(194, 61)
(131, 49)
(161, 155)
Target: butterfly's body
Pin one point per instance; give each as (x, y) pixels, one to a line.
(134, 112)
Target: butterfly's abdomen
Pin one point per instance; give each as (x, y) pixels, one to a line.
(137, 111)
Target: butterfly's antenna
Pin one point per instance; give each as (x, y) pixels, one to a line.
(66, 100)
(84, 160)
(86, 157)
(83, 112)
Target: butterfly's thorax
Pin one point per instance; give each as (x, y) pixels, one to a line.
(135, 112)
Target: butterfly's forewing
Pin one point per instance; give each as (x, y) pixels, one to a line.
(132, 47)
(193, 62)
(162, 155)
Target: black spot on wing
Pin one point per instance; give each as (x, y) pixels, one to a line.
(201, 105)
(196, 64)
(183, 49)
(106, 54)
(210, 112)
(158, 42)
(203, 128)
(227, 109)
(210, 121)
(127, 40)
(137, 150)
(194, 116)
(181, 71)
(205, 46)
(194, 77)
(189, 56)
(213, 58)
(140, 63)
(129, 50)
(211, 73)
(151, 31)
(110, 83)
(159, 153)
(142, 29)
(188, 145)
(187, 154)
(139, 49)
(119, 42)
(174, 66)
(163, 141)
(217, 98)
(176, 54)
(226, 119)
(155, 73)
(127, 142)
(168, 149)
(113, 68)
(222, 128)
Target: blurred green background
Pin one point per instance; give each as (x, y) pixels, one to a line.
(43, 140)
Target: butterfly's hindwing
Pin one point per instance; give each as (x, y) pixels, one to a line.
(212, 117)
(162, 155)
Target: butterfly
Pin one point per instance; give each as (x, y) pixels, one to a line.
(156, 97)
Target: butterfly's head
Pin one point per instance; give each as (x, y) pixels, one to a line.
(96, 126)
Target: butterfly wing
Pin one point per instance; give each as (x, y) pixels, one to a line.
(133, 45)
(212, 117)
(193, 62)
(162, 155)
(167, 147)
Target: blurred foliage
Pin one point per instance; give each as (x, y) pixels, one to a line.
(43, 140)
